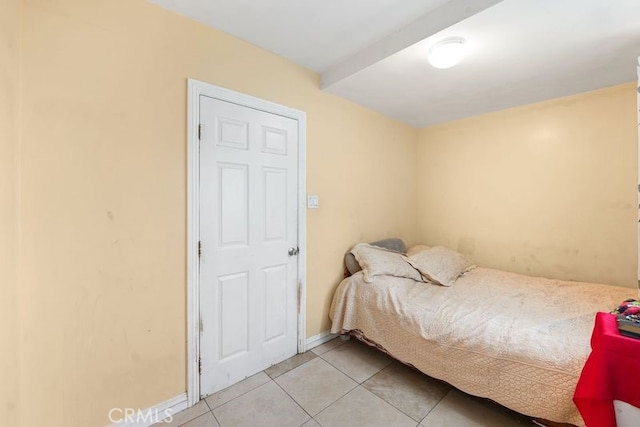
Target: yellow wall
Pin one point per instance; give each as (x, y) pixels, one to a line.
(9, 108)
(103, 193)
(103, 181)
(546, 189)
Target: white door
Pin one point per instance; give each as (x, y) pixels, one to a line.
(249, 238)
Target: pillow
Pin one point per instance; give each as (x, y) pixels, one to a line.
(394, 244)
(440, 265)
(415, 249)
(377, 261)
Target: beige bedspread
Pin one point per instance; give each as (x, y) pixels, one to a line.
(518, 340)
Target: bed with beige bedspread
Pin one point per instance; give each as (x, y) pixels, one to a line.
(518, 340)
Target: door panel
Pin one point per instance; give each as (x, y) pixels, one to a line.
(233, 205)
(233, 332)
(275, 190)
(248, 221)
(275, 289)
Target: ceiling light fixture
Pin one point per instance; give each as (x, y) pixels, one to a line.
(447, 53)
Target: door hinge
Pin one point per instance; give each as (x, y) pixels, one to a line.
(199, 366)
(199, 132)
(199, 249)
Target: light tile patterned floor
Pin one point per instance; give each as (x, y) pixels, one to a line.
(344, 383)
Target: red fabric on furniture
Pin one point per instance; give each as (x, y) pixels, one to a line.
(612, 372)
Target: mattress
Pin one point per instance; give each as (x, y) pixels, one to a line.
(518, 340)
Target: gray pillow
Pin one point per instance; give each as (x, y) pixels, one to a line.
(393, 244)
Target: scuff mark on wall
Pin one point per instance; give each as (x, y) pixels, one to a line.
(530, 186)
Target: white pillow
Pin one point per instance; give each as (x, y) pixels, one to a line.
(440, 265)
(417, 248)
(393, 244)
(376, 261)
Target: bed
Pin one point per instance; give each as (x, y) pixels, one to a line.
(518, 340)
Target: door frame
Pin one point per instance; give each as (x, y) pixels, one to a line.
(195, 89)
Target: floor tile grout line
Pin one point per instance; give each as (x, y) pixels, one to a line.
(349, 376)
(295, 367)
(294, 400)
(392, 404)
(216, 418)
(350, 390)
(343, 396)
(334, 366)
(435, 406)
(354, 386)
(270, 380)
(212, 409)
(331, 349)
(194, 417)
(361, 382)
(391, 360)
(357, 384)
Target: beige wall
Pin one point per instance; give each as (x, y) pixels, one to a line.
(547, 189)
(103, 181)
(103, 193)
(9, 108)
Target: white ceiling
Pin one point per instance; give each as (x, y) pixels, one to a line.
(374, 51)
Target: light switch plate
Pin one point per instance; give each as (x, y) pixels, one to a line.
(313, 201)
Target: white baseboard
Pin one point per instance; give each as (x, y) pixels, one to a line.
(319, 339)
(129, 417)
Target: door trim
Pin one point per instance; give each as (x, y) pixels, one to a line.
(196, 88)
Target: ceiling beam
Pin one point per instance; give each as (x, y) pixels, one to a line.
(450, 13)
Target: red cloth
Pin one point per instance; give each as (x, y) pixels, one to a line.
(611, 372)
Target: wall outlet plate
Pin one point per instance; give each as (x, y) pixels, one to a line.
(313, 201)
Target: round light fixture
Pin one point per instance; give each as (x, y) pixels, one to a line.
(447, 53)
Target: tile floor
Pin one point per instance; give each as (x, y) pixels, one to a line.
(343, 383)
